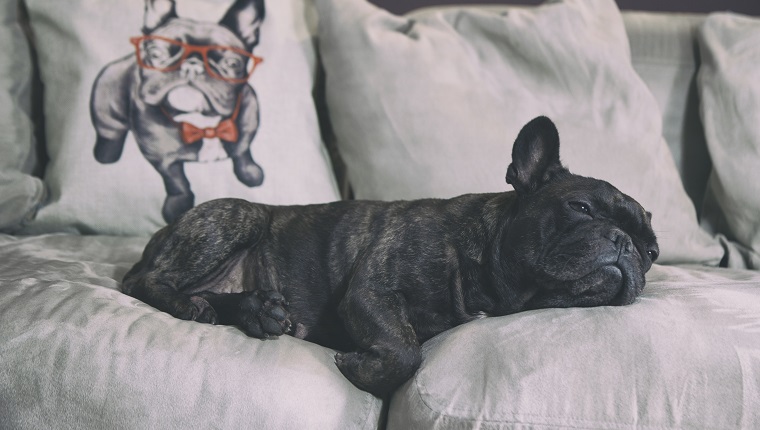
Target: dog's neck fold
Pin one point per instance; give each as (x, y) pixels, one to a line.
(490, 287)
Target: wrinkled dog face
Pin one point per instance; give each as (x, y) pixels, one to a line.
(190, 88)
(578, 241)
(194, 66)
(599, 244)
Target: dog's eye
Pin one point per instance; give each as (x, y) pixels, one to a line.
(652, 255)
(580, 207)
(233, 63)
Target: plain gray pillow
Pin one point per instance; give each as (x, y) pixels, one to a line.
(430, 106)
(20, 192)
(729, 84)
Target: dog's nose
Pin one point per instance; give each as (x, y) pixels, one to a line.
(191, 68)
(622, 241)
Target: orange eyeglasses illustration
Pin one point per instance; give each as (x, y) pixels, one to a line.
(226, 63)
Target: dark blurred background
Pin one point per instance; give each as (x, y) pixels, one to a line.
(749, 7)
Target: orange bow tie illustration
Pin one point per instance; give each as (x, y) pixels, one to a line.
(226, 131)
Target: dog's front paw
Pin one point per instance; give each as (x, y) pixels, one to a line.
(194, 308)
(264, 314)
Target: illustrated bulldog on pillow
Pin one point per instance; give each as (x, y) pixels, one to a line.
(184, 95)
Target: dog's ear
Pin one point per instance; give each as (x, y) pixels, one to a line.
(244, 19)
(157, 12)
(535, 156)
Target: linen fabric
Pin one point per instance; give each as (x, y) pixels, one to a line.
(428, 105)
(686, 354)
(21, 193)
(76, 40)
(77, 353)
(730, 106)
(664, 56)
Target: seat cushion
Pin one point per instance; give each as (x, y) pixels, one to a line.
(685, 355)
(77, 353)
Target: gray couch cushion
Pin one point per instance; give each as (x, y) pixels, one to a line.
(77, 353)
(685, 355)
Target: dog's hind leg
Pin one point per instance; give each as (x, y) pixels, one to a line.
(179, 195)
(378, 322)
(181, 258)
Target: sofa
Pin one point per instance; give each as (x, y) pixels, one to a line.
(358, 103)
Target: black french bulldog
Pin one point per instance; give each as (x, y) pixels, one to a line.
(184, 95)
(377, 279)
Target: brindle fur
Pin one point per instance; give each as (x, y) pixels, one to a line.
(377, 279)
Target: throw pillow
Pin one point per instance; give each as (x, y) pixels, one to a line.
(20, 192)
(729, 87)
(428, 105)
(152, 107)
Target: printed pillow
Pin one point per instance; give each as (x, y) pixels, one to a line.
(153, 107)
(729, 86)
(428, 105)
(20, 192)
